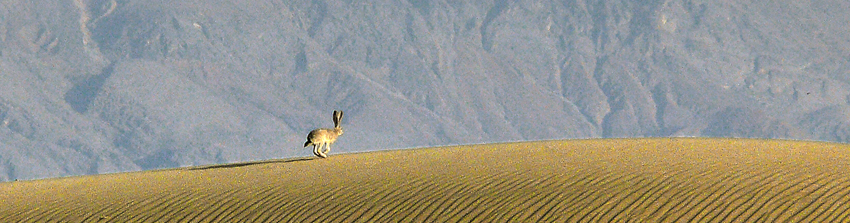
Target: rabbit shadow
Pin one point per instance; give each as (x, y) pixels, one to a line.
(236, 165)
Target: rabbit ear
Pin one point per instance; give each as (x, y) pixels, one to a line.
(337, 118)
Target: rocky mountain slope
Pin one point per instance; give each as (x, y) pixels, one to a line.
(97, 86)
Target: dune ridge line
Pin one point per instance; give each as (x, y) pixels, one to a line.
(651, 179)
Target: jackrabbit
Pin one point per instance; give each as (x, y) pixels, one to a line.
(324, 137)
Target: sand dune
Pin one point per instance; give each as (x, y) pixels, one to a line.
(680, 179)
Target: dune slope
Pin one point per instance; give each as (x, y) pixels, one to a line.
(678, 179)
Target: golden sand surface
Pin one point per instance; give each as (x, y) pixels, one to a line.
(593, 180)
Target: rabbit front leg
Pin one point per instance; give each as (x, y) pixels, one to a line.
(327, 149)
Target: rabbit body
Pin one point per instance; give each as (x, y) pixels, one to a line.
(323, 138)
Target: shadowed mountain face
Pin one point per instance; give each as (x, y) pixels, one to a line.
(96, 86)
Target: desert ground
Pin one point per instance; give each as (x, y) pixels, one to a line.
(593, 180)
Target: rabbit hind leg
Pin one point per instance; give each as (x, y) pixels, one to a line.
(319, 150)
(316, 148)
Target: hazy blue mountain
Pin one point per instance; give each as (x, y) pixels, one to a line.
(99, 86)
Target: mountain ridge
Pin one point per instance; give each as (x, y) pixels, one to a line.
(98, 86)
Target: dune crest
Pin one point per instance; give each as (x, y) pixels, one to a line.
(664, 179)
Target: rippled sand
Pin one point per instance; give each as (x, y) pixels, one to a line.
(660, 179)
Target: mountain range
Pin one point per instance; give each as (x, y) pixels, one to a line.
(102, 86)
